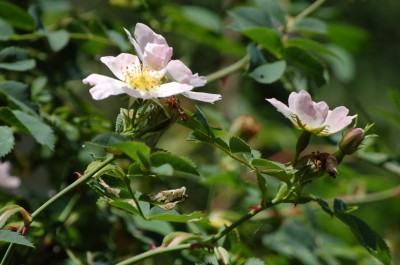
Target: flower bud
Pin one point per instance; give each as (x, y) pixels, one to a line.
(351, 141)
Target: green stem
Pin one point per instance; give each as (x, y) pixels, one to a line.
(243, 219)
(82, 179)
(306, 12)
(228, 70)
(128, 185)
(154, 252)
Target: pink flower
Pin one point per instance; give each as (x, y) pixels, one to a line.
(150, 74)
(6, 180)
(314, 117)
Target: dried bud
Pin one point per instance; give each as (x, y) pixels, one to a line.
(245, 126)
(351, 141)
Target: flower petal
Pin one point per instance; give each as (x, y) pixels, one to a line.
(139, 50)
(104, 86)
(337, 120)
(307, 110)
(205, 97)
(118, 65)
(282, 108)
(170, 89)
(157, 56)
(178, 71)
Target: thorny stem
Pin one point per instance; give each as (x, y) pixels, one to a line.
(79, 181)
(228, 70)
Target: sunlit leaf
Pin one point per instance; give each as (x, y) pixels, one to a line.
(269, 73)
(6, 140)
(137, 151)
(57, 39)
(15, 238)
(6, 30)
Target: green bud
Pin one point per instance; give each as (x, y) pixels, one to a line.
(351, 141)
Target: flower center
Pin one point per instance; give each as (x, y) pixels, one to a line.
(143, 78)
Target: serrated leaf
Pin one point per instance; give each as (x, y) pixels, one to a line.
(266, 37)
(368, 238)
(177, 218)
(6, 140)
(6, 30)
(57, 39)
(16, 16)
(238, 145)
(137, 151)
(18, 94)
(15, 238)
(163, 170)
(108, 139)
(178, 163)
(259, 162)
(269, 73)
(40, 131)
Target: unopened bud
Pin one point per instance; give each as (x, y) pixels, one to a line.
(351, 141)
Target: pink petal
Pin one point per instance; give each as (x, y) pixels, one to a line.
(157, 56)
(139, 50)
(307, 110)
(104, 86)
(282, 108)
(118, 65)
(178, 71)
(9, 182)
(337, 120)
(170, 89)
(205, 97)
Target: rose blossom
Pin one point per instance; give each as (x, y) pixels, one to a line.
(314, 117)
(150, 74)
(6, 180)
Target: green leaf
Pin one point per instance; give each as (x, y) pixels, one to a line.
(118, 39)
(256, 56)
(130, 206)
(312, 25)
(259, 162)
(249, 17)
(6, 140)
(137, 151)
(40, 131)
(343, 65)
(6, 30)
(163, 170)
(308, 44)
(16, 59)
(203, 17)
(310, 64)
(368, 238)
(57, 39)
(269, 73)
(172, 216)
(266, 37)
(18, 94)
(272, 7)
(6, 213)
(15, 238)
(237, 145)
(16, 16)
(180, 164)
(108, 139)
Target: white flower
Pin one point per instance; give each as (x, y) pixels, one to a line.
(150, 74)
(6, 180)
(314, 117)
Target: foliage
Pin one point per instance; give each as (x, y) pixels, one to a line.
(173, 181)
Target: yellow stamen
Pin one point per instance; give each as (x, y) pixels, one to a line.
(142, 78)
